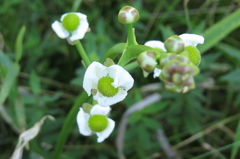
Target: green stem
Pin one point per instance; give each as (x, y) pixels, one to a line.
(83, 54)
(131, 35)
(130, 42)
(68, 125)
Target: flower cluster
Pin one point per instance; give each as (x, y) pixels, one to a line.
(175, 61)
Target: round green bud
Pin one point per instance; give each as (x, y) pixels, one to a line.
(98, 123)
(106, 88)
(147, 61)
(128, 15)
(174, 44)
(193, 54)
(70, 22)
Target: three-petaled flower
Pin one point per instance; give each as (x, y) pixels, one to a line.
(95, 121)
(109, 85)
(73, 26)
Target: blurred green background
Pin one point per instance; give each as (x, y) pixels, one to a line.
(200, 124)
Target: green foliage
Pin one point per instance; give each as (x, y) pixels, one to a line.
(41, 74)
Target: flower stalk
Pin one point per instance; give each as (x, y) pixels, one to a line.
(83, 54)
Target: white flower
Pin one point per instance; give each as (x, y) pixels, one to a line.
(108, 85)
(87, 121)
(73, 25)
(188, 39)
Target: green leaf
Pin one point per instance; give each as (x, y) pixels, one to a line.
(19, 43)
(114, 51)
(35, 83)
(8, 82)
(229, 50)
(235, 148)
(220, 30)
(232, 76)
(132, 52)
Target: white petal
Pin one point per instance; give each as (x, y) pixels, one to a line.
(155, 44)
(107, 101)
(82, 121)
(82, 28)
(121, 77)
(93, 73)
(192, 39)
(105, 133)
(97, 109)
(59, 30)
(156, 72)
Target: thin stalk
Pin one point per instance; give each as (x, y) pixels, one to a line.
(131, 35)
(68, 125)
(83, 54)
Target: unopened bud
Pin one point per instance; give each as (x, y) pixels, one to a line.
(108, 62)
(147, 61)
(128, 15)
(87, 107)
(174, 44)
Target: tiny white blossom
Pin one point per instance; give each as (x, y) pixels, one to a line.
(77, 33)
(83, 122)
(109, 85)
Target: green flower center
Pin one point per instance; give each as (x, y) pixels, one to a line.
(98, 123)
(105, 86)
(70, 22)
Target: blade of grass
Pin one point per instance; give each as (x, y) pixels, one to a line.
(8, 82)
(19, 42)
(220, 30)
(68, 124)
(236, 140)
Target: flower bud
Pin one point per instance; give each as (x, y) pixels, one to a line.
(87, 107)
(193, 54)
(128, 15)
(147, 61)
(108, 62)
(174, 44)
(177, 73)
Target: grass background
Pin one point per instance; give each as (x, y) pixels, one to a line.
(200, 124)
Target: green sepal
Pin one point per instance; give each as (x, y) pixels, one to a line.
(193, 54)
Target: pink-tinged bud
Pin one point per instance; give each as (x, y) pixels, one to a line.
(147, 61)
(128, 15)
(174, 44)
